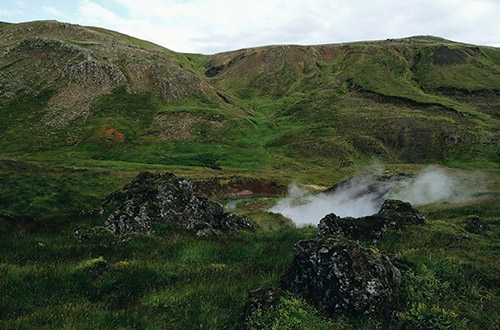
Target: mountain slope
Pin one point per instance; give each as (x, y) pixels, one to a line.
(102, 95)
(418, 99)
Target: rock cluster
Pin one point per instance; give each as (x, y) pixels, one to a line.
(393, 214)
(339, 276)
(94, 72)
(476, 226)
(52, 46)
(166, 198)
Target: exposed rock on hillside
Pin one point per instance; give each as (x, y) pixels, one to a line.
(166, 198)
(79, 65)
(340, 276)
(393, 214)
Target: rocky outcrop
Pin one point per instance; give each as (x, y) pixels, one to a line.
(393, 214)
(46, 45)
(339, 276)
(166, 198)
(263, 298)
(476, 226)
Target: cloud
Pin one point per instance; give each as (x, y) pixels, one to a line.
(217, 25)
(210, 26)
(13, 11)
(52, 10)
(20, 4)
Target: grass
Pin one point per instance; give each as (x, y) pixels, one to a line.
(453, 279)
(168, 280)
(175, 280)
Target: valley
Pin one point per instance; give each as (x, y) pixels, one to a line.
(84, 110)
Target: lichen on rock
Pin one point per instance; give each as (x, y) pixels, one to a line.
(339, 276)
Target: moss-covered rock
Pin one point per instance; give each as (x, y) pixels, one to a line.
(339, 276)
(166, 198)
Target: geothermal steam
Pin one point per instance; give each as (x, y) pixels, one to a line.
(364, 194)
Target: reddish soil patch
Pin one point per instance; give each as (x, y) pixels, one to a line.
(108, 135)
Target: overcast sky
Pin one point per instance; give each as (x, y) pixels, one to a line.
(211, 26)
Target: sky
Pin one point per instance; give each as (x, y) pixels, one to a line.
(212, 26)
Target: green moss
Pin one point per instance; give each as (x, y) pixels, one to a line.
(293, 313)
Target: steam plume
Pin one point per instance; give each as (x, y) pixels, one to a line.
(364, 194)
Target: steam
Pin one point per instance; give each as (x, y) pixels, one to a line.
(429, 186)
(364, 194)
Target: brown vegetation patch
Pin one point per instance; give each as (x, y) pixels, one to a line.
(444, 56)
(329, 53)
(108, 136)
(183, 125)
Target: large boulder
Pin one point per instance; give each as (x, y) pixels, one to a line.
(166, 198)
(393, 214)
(339, 276)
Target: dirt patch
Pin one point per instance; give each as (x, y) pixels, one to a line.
(409, 103)
(444, 56)
(329, 53)
(214, 70)
(237, 187)
(486, 101)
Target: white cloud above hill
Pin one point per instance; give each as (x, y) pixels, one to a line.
(210, 26)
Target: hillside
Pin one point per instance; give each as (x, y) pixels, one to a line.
(416, 100)
(83, 110)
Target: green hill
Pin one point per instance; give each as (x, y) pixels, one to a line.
(96, 93)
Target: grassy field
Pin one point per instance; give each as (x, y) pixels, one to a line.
(174, 280)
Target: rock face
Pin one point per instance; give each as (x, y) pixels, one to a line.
(339, 276)
(392, 214)
(166, 198)
(263, 298)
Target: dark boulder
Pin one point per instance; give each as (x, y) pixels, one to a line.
(339, 276)
(399, 213)
(165, 198)
(263, 298)
(476, 226)
(392, 214)
(232, 222)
